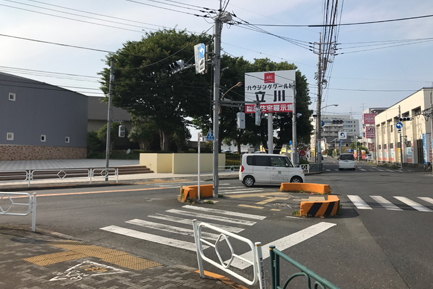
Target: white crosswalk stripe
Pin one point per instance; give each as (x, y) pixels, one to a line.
(359, 203)
(413, 204)
(216, 217)
(362, 205)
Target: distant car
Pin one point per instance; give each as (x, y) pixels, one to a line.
(346, 161)
(368, 157)
(227, 151)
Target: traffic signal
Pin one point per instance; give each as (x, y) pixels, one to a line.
(405, 118)
(121, 130)
(240, 120)
(337, 121)
(176, 66)
(257, 115)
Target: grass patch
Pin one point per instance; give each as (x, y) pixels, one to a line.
(209, 202)
(296, 213)
(221, 196)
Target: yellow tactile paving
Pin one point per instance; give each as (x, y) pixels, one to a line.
(76, 250)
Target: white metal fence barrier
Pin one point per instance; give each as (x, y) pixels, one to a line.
(9, 206)
(256, 252)
(35, 175)
(305, 167)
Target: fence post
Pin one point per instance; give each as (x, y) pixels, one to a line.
(260, 267)
(198, 247)
(33, 212)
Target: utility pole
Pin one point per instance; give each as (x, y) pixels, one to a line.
(401, 143)
(319, 103)
(110, 96)
(216, 92)
(294, 140)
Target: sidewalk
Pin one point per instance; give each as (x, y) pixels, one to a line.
(44, 260)
(50, 260)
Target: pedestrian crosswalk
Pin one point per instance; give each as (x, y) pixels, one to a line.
(160, 228)
(369, 169)
(401, 203)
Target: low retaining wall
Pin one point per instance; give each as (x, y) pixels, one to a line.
(323, 208)
(306, 187)
(27, 152)
(191, 192)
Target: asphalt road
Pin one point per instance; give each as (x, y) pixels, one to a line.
(371, 245)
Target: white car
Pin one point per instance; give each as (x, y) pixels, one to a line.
(346, 161)
(268, 169)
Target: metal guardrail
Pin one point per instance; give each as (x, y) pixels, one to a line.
(9, 205)
(46, 174)
(231, 168)
(305, 167)
(256, 251)
(304, 272)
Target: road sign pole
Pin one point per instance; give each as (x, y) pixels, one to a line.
(271, 134)
(401, 144)
(340, 146)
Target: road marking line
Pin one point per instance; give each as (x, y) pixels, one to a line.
(241, 192)
(359, 203)
(152, 238)
(285, 242)
(276, 210)
(211, 217)
(364, 170)
(259, 195)
(413, 204)
(426, 199)
(328, 170)
(385, 203)
(222, 212)
(249, 206)
(269, 200)
(170, 229)
(189, 222)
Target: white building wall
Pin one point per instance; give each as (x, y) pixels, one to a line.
(416, 133)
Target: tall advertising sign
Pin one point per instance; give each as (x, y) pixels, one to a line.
(370, 131)
(368, 118)
(427, 149)
(273, 89)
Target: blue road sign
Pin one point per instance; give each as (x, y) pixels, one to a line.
(290, 142)
(323, 123)
(399, 125)
(210, 136)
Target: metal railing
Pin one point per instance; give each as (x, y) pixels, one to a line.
(304, 272)
(9, 207)
(305, 167)
(231, 168)
(256, 251)
(47, 174)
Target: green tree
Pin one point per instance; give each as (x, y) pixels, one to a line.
(143, 132)
(145, 86)
(114, 134)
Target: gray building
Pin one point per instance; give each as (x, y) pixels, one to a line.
(41, 121)
(98, 111)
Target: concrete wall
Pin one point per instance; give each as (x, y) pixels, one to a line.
(180, 163)
(20, 152)
(159, 163)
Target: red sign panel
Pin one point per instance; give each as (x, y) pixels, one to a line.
(265, 108)
(370, 131)
(368, 118)
(302, 153)
(270, 77)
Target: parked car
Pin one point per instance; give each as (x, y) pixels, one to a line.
(346, 161)
(268, 169)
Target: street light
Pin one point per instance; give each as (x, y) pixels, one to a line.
(222, 98)
(318, 126)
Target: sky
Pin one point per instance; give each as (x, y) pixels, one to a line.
(376, 65)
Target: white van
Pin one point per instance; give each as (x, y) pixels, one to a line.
(268, 168)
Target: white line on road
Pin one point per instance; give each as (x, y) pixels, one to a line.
(222, 212)
(170, 229)
(426, 199)
(359, 203)
(413, 204)
(285, 242)
(189, 222)
(241, 192)
(152, 238)
(385, 203)
(211, 217)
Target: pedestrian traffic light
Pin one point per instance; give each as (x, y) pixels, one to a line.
(121, 130)
(337, 121)
(405, 118)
